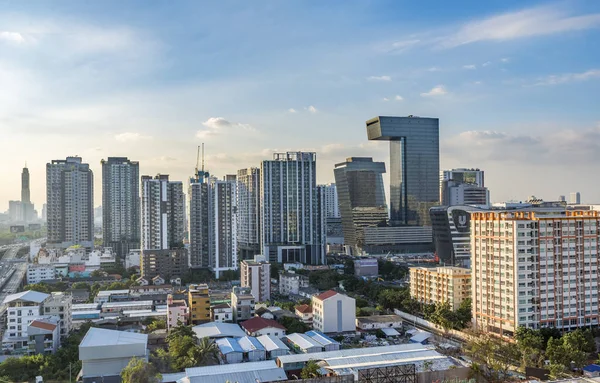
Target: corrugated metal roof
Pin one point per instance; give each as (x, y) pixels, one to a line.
(230, 368)
(272, 343)
(103, 337)
(405, 348)
(303, 341)
(229, 345)
(29, 295)
(320, 337)
(218, 330)
(250, 343)
(272, 375)
(127, 304)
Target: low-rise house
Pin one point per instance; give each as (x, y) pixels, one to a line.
(242, 303)
(79, 295)
(264, 312)
(117, 307)
(221, 313)
(136, 291)
(258, 326)
(60, 305)
(105, 353)
(177, 312)
(216, 330)
(141, 281)
(230, 350)
(273, 346)
(302, 343)
(158, 280)
(111, 296)
(377, 322)
(253, 350)
(44, 335)
(22, 309)
(305, 313)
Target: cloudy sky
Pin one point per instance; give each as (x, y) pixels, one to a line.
(516, 85)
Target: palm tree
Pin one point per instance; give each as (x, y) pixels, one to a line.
(207, 352)
(180, 331)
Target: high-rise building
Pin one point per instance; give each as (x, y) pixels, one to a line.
(414, 165)
(248, 207)
(562, 198)
(291, 209)
(223, 225)
(27, 209)
(162, 213)
(534, 267)
(332, 208)
(44, 212)
(15, 211)
(199, 220)
(257, 276)
(121, 204)
(450, 285)
(575, 198)
(70, 203)
(361, 197)
(463, 187)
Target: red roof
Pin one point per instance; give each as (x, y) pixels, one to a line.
(43, 325)
(326, 295)
(258, 323)
(304, 309)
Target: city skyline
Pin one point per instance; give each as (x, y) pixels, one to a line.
(136, 84)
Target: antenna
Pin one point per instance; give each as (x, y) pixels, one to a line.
(203, 157)
(197, 161)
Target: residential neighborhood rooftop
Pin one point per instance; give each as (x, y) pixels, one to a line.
(258, 323)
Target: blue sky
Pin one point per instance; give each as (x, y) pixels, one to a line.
(515, 85)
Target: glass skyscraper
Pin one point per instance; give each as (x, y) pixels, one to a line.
(414, 166)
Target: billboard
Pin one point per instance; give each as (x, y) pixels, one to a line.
(17, 229)
(462, 220)
(35, 226)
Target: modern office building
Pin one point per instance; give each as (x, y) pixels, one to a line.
(361, 197)
(257, 276)
(248, 208)
(534, 267)
(414, 165)
(292, 222)
(575, 198)
(463, 187)
(332, 209)
(440, 285)
(162, 213)
(452, 233)
(222, 234)
(70, 203)
(120, 204)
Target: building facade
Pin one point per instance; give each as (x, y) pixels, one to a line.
(168, 264)
(291, 283)
(242, 303)
(120, 204)
(199, 218)
(248, 207)
(27, 209)
(177, 312)
(414, 165)
(440, 285)
(292, 222)
(70, 203)
(257, 276)
(223, 225)
(463, 187)
(534, 267)
(332, 208)
(22, 309)
(199, 303)
(60, 305)
(40, 272)
(334, 312)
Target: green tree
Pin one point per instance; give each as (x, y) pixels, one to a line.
(492, 357)
(140, 371)
(310, 370)
(443, 316)
(463, 314)
(208, 352)
(180, 331)
(81, 286)
(156, 325)
(532, 347)
(573, 347)
(294, 325)
(349, 266)
(183, 352)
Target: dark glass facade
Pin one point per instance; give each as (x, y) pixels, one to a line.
(414, 166)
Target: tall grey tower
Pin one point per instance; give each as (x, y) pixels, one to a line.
(70, 203)
(414, 165)
(222, 209)
(25, 192)
(248, 207)
(292, 209)
(162, 213)
(121, 204)
(199, 219)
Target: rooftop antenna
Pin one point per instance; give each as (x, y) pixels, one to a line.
(197, 162)
(203, 157)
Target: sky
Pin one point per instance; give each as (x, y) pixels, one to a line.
(515, 84)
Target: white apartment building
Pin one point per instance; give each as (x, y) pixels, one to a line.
(60, 305)
(40, 272)
(221, 313)
(22, 309)
(334, 312)
(257, 276)
(440, 284)
(291, 283)
(332, 206)
(248, 208)
(222, 234)
(242, 304)
(534, 267)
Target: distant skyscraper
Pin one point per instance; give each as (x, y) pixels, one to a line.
(575, 198)
(162, 213)
(121, 204)
(414, 165)
(70, 203)
(248, 207)
(199, 218)
(27, 209)
(562, 198)
(291, 210)
(332, 209)
(44, 212)
(223, 225)
(463, 187)
(361, 196)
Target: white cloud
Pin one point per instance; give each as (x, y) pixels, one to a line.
(216, 125)
(398, 98)
(131, 137)
(386, 99)
(487, 63)
(379, 78)
(570, 77)
(292, 110)
(433, 69)
(470, 66)
(435, 91)
(12, 37)
(530, 22)
(401, 46)
(505, 59)
(312, 109)
(477, 83)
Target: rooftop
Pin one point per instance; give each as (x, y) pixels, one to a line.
(326, 295)
(44, 324)
(222, 306)
(380, 319)
(28, 296)
(303, 341)
(252, 372)
(321, 338)
(102, 337)
(304, 309)
(258, 323)
(228, 345)
(127, 304)
(108, 293)
(218, 330)
(271, 342)
(250, 343)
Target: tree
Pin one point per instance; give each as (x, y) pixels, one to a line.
(183, 352)
(294, 325)
(572, 348)
(156, 325)
(463, 314)
(310, 370)
(81, 286)
(275, 270)
(532, 347)
(208, 352)
(349, 267)
(140, 371)
(492, 357)
(443, 316)
(180, 331)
